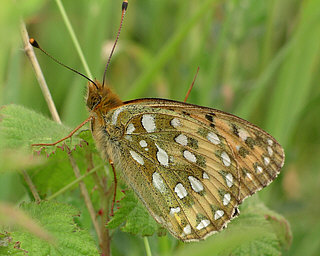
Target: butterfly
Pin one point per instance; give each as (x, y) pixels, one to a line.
(191, 166)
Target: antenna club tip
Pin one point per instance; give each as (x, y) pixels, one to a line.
(33, 42)
(124, 5)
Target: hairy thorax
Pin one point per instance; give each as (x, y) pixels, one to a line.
(100, 100)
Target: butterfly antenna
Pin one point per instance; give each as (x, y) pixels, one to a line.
(35, 44)
(124, 9)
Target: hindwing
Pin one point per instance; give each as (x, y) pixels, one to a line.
(191, 166)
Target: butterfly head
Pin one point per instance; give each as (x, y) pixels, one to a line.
(101, 98)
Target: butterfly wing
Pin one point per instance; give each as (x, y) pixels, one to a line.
(191, 166)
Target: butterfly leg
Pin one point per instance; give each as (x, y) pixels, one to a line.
(191, 86)
(67, 137)
(115, 186)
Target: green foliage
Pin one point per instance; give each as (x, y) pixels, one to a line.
(269, 231)
(57, 219)
(133, 217)
(21, 127)
(167, 51)
(257, 231)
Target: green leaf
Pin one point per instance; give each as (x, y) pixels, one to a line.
(16, 160)
(53, 175)
(21, 127)
(252, 233)
(270, 231)
(260, 241)
(280, 226)
(57, 219)
(133, 217)
(10, 215)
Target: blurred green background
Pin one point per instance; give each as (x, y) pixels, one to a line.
(257, 59)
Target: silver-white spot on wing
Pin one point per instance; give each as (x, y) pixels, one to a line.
(266, 160)
(175, 122)
(174, 210)
(115, 115)
(203, 224)
(259, 169)
(182, 140)
(243, 134)
(158, 182)
(212, 137)
(187, 230)
(225, 159)
(205, 176)
(148, 123)
(226, 199)
(162, 156)
(143, 143)
(195, 184)
(189, 156)
(180, 190)
(218, 214)
(229, 180)
(137, 157)
(130, 128)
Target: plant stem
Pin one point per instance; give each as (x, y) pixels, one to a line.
(147, 246)
(31, 186)
(86, 196)
(37, 69)
(104, 208)
(73, 37)
(64, 189)
(46, 94)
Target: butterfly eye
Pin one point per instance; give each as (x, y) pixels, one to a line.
(93, 101)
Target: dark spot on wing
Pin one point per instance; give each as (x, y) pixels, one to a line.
(243, 152)
(235, 130)
(209, 117)
(193, 143)
(250, 142)
(236, 212)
